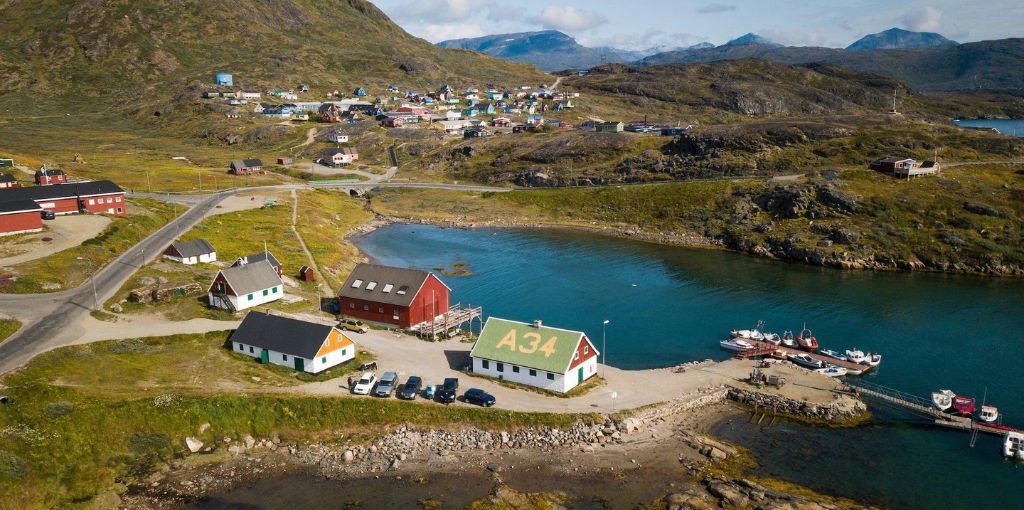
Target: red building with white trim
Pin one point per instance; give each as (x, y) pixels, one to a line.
(392, 295)
(98, 197)
(45, 177)
(20, 216)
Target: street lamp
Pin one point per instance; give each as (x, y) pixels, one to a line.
(92, 276)
(604, 353)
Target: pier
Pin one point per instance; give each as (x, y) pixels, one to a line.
(453, 319)
(767, 349)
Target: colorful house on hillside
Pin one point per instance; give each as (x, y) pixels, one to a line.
(360, 92)
(45, 176)
(534, 354)
(393, 295)
(246, 167)
(300, 345)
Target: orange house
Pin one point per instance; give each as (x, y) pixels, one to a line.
(301, 345)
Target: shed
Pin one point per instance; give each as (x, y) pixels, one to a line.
(47, 176)
(285, 161)
(306, 274)
(223, 79)
(300, 345)
(191, 252)
(246, 167)
(393, 295)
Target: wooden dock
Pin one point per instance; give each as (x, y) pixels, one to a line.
(766, 349)
(453, 319)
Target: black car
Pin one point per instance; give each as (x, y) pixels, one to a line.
(47, 215)
(449, 390)
(479, 397)
(411, 388)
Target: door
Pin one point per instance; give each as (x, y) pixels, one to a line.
(264, 356)
(299, 366)
(579, 376)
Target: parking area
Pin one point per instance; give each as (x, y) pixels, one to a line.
(63, 232)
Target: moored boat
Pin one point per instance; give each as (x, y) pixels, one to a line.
(806, 361)
(806, 340)
(964, 406)
(736, 345)
(943, 399)
(747, 334)
(772, 338)
(832, 354)
(1013, 445)
(832, 371)
(988, 414)
(788, 340)
(872, 359)
(856, 355)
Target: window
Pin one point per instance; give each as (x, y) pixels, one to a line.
(344, 352)
(92, 201)
(515, 369)
(486, 364)
(351, 305)
(250, 297)
(501, 367)
(356, 284)
(371, 285)
(380, 309)
(586, 349)
(117, 199)
(250, 350)
(387, 288)
(576, 355)
(266, 292)
(533, 373)
(240, 347)
(403, 290)
(324, 359)
(119, 210)
(366, 308)
(275, 290)
(284, 357)
(551, 377)
(110, 200)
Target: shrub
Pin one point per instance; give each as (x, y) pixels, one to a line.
(58, 409)
(12, 467)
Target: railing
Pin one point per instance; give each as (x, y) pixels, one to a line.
(895, 396)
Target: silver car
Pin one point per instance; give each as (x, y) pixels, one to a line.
(387, 384)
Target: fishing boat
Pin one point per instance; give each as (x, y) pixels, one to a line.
(964, 406)
(832, 354)
(806, 340)
(736, 345)
(1013, 445)
(856, 355)
(943, 399)
(788, 340)
(806, 361)
(988, 414)
(872, 359)
(832, 371)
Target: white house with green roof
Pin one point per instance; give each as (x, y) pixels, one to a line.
(550, 358)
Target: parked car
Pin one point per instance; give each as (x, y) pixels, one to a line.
(479, 397)
(365, 383)
(355, 325)
(411, 388)
(448, 391)
(47, 215)
(387, 384)
(429, 392)
(4, 399)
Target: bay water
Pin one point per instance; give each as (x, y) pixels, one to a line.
(1008, 127)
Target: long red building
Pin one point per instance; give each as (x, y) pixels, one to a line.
(20, 216)
(392, 295)
(99, 197)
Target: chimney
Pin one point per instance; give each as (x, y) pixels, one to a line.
(243, 260)
(537, 323)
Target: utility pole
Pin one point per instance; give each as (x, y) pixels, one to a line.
(604, 353)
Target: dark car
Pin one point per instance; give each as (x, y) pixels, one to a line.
(47, 215)
(411, 388)
(4, 399)
(449, 390)
(479, 397)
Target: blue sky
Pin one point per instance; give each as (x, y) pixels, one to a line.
(640, 24)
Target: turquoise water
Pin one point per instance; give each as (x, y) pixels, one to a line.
(1009, 127)
(669, 305)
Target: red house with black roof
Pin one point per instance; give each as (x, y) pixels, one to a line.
(46, 177)
(99, 197)
(393, 295)
(20, 216)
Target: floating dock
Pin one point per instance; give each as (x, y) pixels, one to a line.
(766, 349)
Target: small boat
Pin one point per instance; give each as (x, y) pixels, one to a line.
(872, 360)
(832, 371)
(736, 345)
(772, 338)
(806, 340)
(856, 355)
(806, 361)
(964, 406)
(747, 334)
(988, 414)
(832, 354)
(855, 371)
(788, 340)
(943, 399)
(1013, 445)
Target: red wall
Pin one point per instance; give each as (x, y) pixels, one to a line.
(433, 300)
(70, 205)
(20, 222)
(424, 306)
(583, 357)
(354, 308)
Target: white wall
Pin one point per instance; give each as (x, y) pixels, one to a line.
(561, 382)
(333, 359)
(241, 302)
(188, 261)
(286, 360)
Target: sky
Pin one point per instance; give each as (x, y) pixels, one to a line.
(643, 24)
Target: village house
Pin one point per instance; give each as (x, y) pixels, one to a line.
(248, 94)
(8, 181)
(337, 137)
(338, 156)
(46, 177)
(453, 127)
(300, 345)
(501, 122)
(609, 127)
(20, 216)
(476, 132)
(223, 79)
(191, 252)
(392, 295)
(905, 167)
(533, 354)
(330, 112)
(246, 167)
(393, 122)
(245, 286)
(99, 197)
(536, 120)
(265, 255)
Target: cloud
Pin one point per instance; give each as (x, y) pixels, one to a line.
(922, 20)
(648, 39)
(716, 8)
(569, 19)
(797, 38)
(436, 32)
(444, 10)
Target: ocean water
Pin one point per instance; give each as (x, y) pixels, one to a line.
(1008, 127)
(670, 305)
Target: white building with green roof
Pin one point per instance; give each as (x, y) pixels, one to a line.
(550, 358)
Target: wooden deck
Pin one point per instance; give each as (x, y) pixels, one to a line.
(453, 319)
(764, 349)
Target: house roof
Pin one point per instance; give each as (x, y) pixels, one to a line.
(518, 343)
(327, 153)
(384, 284)
(282, 334)
(55, 191)
(193, 248)
(49, 171)
(258, 257)
(7, 178)
(246, 163)
(251, 277)
(18, 206)
(894, 160)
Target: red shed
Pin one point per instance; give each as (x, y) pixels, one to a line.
(306, 274)
(18, 216)
(46, 177)
(392, 295)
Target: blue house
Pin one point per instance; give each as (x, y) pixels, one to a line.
(360, 92)
(487, 108)
(223, 80)
(472, 111)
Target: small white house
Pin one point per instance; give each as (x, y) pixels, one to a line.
(338, 138)
(299, 345)
(191, 252)
(533, 354)
(245, 286)
(249, 94)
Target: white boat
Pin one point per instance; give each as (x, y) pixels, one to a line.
(788, 340)
(988, 414)
(855, 371)
(736, 345)
(747, 334)
(773, 338)
(856, 355)
(806, 361)
(832, 371)
(872, 360)
(943, 399)
(832, 354)
(1013, 445)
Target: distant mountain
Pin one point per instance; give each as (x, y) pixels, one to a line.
(752, 38)
(897, 38)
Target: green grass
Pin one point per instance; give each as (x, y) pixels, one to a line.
(8, 327)
(70, 268)
(85, 416)
(580, 390)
